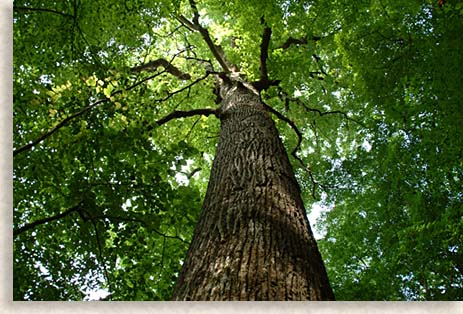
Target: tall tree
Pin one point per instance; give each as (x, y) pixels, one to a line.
(253, 239)
(137, 122)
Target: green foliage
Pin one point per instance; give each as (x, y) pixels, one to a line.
(373, 86)
(396, 228)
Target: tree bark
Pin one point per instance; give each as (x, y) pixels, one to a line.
(253, 239)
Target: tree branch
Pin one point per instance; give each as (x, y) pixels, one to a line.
(57, 127)
(153, 65)
(183, 114)
(304, 41)
(196, 26)
(291, 123)
(185, 22)
(192, 173)
(298, 41)
(45, 220)
(264, 82)
(288, 99)
(139, 220)
(100, 257)
(264, 52)
(297, 147)
(75, 115)
(293, 41)
(18, 9)
(170, 94)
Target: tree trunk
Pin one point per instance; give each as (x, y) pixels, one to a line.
(253, 240)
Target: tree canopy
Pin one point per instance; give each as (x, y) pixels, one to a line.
(114, 136)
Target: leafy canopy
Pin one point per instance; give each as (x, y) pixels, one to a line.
(106, 198)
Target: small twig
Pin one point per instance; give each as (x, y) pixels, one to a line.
(192, 127)
(94, 54)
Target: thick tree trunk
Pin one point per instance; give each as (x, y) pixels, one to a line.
(253, 240)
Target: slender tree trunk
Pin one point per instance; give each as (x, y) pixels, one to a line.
(253, 240)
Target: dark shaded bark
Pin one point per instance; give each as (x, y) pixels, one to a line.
(253, 240)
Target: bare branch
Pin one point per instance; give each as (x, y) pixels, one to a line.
(291, 123)
(153, 65)
(192, 127)
(170, 94)
(192, 173)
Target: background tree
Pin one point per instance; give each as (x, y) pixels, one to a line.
(395, 226)
(368, 94)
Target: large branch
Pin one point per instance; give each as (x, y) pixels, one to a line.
(153, 65)
(264, 52)
(183, 114)
(291, 124)
(194, 25)
(264, 82)
(78, 208)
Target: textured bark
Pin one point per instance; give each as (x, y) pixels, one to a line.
(253, 240)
